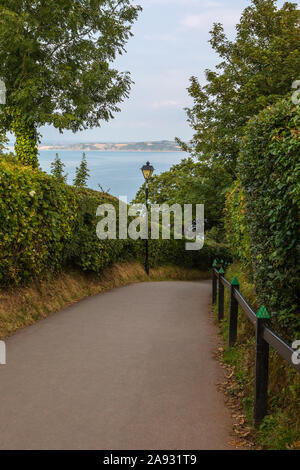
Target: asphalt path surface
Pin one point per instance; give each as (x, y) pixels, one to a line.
(132, 368)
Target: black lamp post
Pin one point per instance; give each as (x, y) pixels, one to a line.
(147, 171)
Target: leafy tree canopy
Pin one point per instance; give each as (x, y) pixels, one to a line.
(256, 68)
(190, 182)
(56, 56)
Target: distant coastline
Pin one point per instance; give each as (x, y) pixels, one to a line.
(148, 146)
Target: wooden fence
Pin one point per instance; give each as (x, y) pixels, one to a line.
(265, 337)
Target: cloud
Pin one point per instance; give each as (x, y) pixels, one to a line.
(166, 104)
(204, 21)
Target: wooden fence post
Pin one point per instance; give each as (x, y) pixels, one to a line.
(233, 314)
(214, 283)
(221, 295)
(261, 368)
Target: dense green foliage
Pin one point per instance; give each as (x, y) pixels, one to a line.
(85, 250)
(256, 68)
(56, 64)
(236, 224)
(191, 182)
(46, 225)
(268, 230)
(26, 137)
(36, 220)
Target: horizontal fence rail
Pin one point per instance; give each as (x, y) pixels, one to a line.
(265, 337)
(225, 282)
(245, 307)
(283, 349)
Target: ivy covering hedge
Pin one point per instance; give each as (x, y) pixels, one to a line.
(46, 225)
(236, 224)
(36, 217)
(269, 195)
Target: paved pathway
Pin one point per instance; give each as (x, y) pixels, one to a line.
(132, 368)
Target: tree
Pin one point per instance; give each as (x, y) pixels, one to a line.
(81, 173)
(257, 69)
(190, 182)
(57, 169)
(55, 59)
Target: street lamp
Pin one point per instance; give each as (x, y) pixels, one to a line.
(147, 171)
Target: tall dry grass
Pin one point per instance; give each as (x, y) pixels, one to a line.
(23, 306)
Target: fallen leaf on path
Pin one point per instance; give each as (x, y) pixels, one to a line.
(236, 444)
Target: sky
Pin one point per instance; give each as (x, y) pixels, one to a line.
(170, 44)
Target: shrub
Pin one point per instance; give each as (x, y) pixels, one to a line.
(269, 168)
(84, 249)
(163, 252)
(36, 220)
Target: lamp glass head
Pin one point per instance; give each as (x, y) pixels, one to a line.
(147, 170)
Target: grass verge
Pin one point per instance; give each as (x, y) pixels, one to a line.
(280, 430)
(23, 306)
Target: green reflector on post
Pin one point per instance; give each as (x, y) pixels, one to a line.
(215, 264)
(221, 271)
(235, 282)
(263, 313)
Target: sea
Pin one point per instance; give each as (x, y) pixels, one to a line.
(118, 173)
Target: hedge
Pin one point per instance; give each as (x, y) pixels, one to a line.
(46, 225)
(36, 221)
(269, 168)
(236, 228)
